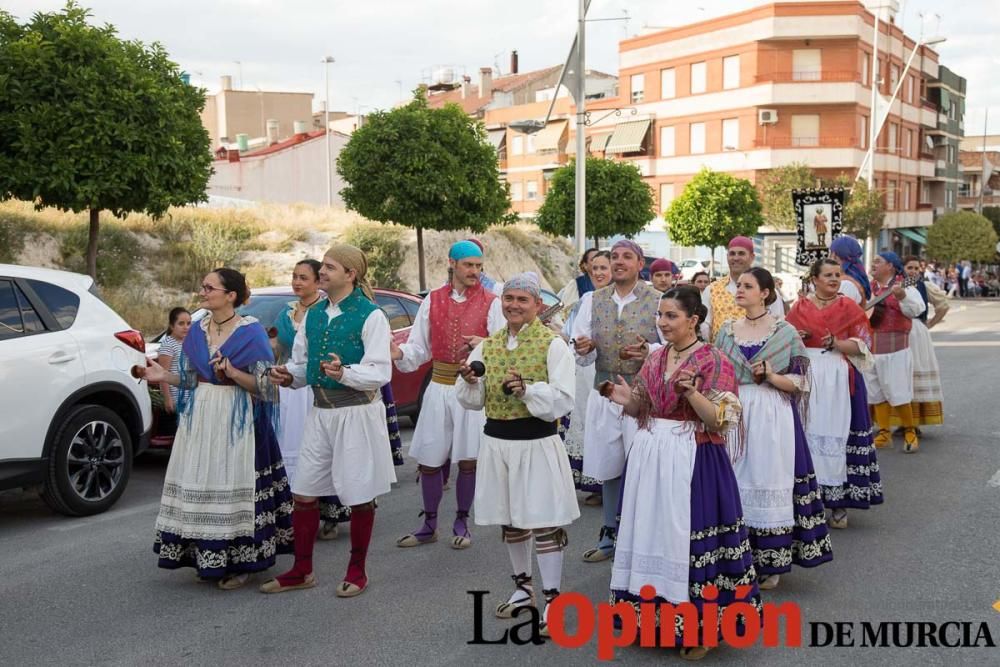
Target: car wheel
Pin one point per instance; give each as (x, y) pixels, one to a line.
(90, 462)
(420, 399)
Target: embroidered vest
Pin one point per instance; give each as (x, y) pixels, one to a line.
(529, 358)
(723, 306)
(892, 333)
(612, 332)
(341, 335)
(450, 320)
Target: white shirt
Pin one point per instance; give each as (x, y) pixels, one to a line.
(417, 348)
(547, 401)
(777, 308)
(583, 326)
(850, 290)
(912, 304)
(371, 373)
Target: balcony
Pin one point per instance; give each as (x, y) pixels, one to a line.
(808, 77)
(806, 142)
(925, 206)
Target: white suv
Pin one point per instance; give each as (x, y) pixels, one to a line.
(72, 416)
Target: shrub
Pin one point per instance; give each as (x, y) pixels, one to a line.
(383, 246)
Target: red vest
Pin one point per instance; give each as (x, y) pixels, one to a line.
(451, 320)
(894, 320)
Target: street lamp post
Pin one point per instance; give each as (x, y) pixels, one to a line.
(326, 128)
(580, 193)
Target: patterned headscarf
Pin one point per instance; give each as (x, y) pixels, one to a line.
(353, 258)
(629, 244)
(847, 248)
(526, 282)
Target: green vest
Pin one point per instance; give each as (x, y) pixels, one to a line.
(530, 359)
(341, 335)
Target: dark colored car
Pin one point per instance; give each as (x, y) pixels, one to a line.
(267, 303)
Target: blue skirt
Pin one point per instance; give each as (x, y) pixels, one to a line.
(863, 487)
(720, 551)
(214, 559)
(807, 543)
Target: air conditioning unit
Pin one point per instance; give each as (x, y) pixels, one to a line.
(767, 116)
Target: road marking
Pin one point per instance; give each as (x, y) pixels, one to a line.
(967, 343)
(996, 605)
(107, 516)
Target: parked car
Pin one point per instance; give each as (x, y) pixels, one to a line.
(72, 416)
(550, 303)
(267, 303)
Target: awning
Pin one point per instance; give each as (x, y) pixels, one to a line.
(598, 142)
(628, 137)
(915, 234)
(548, 137)
(497, 137)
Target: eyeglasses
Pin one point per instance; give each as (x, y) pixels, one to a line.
(208, 288)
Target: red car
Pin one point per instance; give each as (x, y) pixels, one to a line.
(267, 303)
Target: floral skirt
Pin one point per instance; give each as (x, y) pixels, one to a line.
(331, 509)
(718, 542)
(272, 534)
(863, 487)
(807, 543)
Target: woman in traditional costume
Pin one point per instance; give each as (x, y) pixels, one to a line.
(781, 499)
(574, 290)
(838, 429)
(600, 275)
(226, 505)
(681, 520)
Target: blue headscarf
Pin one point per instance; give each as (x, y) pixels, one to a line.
(847, 248)
(893, 259)
(463, 250)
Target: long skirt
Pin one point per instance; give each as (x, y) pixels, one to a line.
(863, 487)
(927, 396)
(681, 524)
(574, 434)
(226, 506)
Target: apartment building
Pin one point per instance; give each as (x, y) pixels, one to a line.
(269, 115)
(784, 83)
(980, 186)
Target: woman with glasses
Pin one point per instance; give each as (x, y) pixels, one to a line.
(226, 505)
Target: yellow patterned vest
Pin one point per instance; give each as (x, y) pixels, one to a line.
(530, 359)
(723, 306)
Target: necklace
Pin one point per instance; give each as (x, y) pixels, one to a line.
(300, 306)
(754, 319)
(824, 299)
(677, 350)
(218, 325)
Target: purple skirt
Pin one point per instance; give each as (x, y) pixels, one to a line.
(807, 543)
(863, 487)
(214, 559)
(720, 544)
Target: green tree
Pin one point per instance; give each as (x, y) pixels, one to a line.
(776, 193)
(618, 201)
(426, 169)
(962, 235)
(89, 121)
(864, 210)
(992, 213)
(714, 208)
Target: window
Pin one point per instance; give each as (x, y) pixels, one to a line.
(908, 91)
(949, 199)
(863, 131)
(411, 307)
(62, 303)
(866, 68)
(638, 88)
(515, 191)
(667, 145)
(530, 144)
(517, 145)
(806, 65)
(730, 134)
(531, 192)
(666, 196)
(11, 324)
(398, 318)
(925, 192)
(32, 323)
(906, 196)
(893, 136)
(697, 138)
(908, 144)
(668, 83)
(890, 196)
(698, 81)
(951, 153)
(893, 77)
(953, 110)
(731, 72)
(805, 130)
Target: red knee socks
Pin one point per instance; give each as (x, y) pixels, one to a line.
(362, 521)
(305, 523)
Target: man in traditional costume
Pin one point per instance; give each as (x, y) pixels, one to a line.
(450, 322)
(615, 329)
(525, 482)
(662, 273)
(720, 296)
(342, 351)
(890, 380)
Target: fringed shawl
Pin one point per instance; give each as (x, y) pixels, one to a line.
(843, 318)
(783, 350)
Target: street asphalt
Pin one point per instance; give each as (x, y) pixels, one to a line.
(88, 592)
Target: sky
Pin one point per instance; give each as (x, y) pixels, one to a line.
(385, 48)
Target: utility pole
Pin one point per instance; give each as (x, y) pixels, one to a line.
(326, 128)
(982, 174)
(580, 229)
